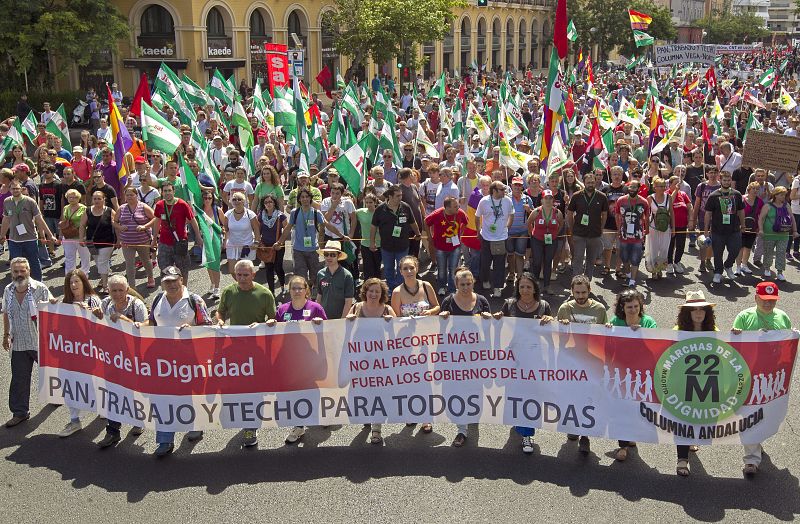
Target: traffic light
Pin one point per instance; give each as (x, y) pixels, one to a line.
(483, 3)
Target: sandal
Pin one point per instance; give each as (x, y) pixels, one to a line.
(376, 437)
(459, 440)
(427, 428)
(621, 454)
(694, 449)
(683, 468)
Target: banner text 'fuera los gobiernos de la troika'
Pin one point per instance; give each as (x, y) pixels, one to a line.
(648, 385)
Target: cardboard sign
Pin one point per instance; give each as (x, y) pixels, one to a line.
(772, 151)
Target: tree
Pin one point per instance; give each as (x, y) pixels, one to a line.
(43, 39)
(726, 28)
(612, 27)
(384, 29)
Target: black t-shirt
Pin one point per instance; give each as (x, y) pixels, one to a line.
(510, 309)
(593, 206)
(613, 194)
(108, 191)
(414, 162)
(386, 220)
(741, 177)
(411, 197)
(694, 176)
(724, 204)
(449, 304)
(49, 194)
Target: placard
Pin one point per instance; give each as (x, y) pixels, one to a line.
(772, 151)
(684, 54)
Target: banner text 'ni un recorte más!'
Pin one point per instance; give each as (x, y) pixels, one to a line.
(648, 385)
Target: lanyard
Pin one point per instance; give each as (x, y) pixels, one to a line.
(589, 200)
(497, 210)
(304, 219)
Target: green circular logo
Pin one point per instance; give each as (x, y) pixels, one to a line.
(702, 380)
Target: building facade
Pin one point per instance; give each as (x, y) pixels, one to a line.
(783, 20)
(196, 37)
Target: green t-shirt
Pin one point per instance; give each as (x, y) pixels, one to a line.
(365, 220)
(646, 321)
(334, 289)
(752, 320)
(316, 196)
(242, 308)
(592, 313)
(263, 189)
(769, 221)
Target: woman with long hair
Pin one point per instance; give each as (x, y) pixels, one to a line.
(752, 210)
(18, 157)
(373, 304)
(78, 291)
(213, 212)
(272, 221)
(268, 183)
(696, 314)
(662, 228)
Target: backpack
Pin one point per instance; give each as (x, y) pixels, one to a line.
(783, 220)
(661, 219)
(198, 319)
(296, 212)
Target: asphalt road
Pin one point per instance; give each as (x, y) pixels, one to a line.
(336, 476)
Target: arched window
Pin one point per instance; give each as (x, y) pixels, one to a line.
(257, 25)
(156, 21)
(215, 24)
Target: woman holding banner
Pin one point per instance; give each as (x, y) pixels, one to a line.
(464, 302)
(374, 297)
(526, 303)
(629, 312)
(78, 291)
(695, 315)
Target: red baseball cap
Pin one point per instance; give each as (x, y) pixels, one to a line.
(22, 167)
(767, 291)
(140, 160)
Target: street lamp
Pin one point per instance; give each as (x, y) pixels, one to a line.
(703, 35)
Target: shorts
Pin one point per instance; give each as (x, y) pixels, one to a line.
(609, 239)
(517, 243)
(631, 253)
(235, 253)
(748, 239)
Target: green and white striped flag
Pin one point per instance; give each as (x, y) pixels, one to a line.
(572, 33)
(239, 119)
(768, 78)
(211, 232)
(58, 126)
(14, 137)
(752, 123)
(284, 112)
(316, 150)
(457, 131)
(219, 88)
(259, 107)
(157, 133)
(203, 153)
(340, 83)
(337, 134)
(388, 138)
(642, 39)
(193, 93)
(352, 166)
(173, 94)
(300, 126)
(350, 101)
(29, 126)
(422, 139)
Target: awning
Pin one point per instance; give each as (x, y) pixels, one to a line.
(223, 63)
(154, 63)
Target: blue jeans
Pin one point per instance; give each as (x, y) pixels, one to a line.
(525, 432)
(165, 437)
(391, 261)
(30, 250)
(447, 262)
(44, 254)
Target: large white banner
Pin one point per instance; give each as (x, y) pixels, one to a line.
(647, 385)
(666, 55)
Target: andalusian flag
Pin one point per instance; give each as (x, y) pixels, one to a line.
(639, 21)
(352, 166)
(260, 110)
(190, 183)
(337, 134)
(422, 139)
(203, 153)
(211, 232)
(284, 112)
(438, 90)
(752, 123)
(58, 126)
(553, 101)
(339, 81)
(642, 39)
(157, 133)
(768, 78)
(300, 125)
(785, 101)
(29, 126)
(219, 88)
(14, 137)
(572, 33)
(239, 119)
(350, 101)
(193, 93)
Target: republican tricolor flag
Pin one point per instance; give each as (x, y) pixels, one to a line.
(120, 138)
(639, 21)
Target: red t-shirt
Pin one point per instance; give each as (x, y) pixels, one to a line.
(178, 214)
(680, 201)
(444, 228)
(82, 169)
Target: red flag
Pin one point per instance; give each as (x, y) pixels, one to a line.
(569, 105)
(711, 78)
(560, 29)
(589, 69)
(706, 133)
(750, 99)
(142, 93)
(325, 79)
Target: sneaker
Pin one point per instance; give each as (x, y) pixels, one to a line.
(789, 256)
(527, 445)
(72, 427)
(109, 440)
(745, 270)
(781, 277)
(164, 449)
(631, 282)
(717, 278)
(295, 434)
(459, 440)
(487, 285)
(679, 268)
(215, 293)
(670, 269)
(583, 445)
(16, 419)
(796, 255)
(442, 291)
(729, 273)
(497, 292)
(767, 273)
(750, 469)
(194, 436)
(757, 263)
(250, 438)
(137, 430)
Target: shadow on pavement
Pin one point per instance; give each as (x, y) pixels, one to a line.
(127, 469)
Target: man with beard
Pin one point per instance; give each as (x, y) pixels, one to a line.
(586, 216)
(21, 334)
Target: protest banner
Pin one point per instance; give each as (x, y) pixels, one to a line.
(771, 151)
(646, 385)
(683, 54)
(737, 49)
(277, 66)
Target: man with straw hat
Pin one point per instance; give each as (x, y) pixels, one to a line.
(334, 286)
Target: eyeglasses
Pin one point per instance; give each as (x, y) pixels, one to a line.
(237, 200)
(297, 289)
(331, 255)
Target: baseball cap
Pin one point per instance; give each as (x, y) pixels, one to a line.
(139, 160)
(171, 273)
(217, 137)
(516, 180)
(767, 291)
(547, 193)
(22, 167)
(77, 149)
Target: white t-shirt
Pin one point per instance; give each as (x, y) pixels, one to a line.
(340, 215)
(796, 202)
(427, 193)
(150, 197)
(240, 232)
(245, 187)
(494, 217)
(445, 190)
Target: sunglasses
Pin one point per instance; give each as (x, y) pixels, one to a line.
(331, 255)
(208, 197)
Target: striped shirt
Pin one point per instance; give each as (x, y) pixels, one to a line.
(131, 220)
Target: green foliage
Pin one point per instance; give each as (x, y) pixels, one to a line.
(68, 30)
(612, 24)
(380, 30)
(9, 99)
(724, 28)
